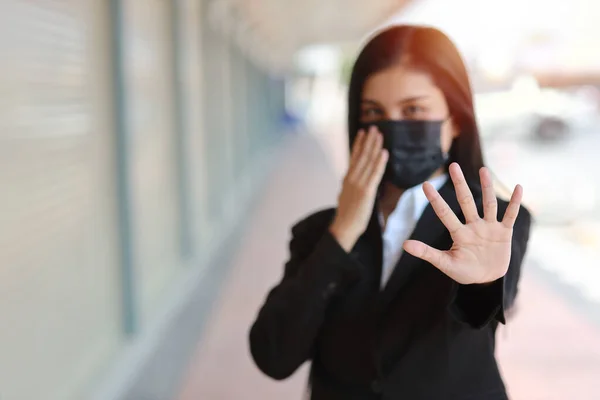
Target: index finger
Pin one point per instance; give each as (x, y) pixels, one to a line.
(357, 146)
(463, 193)
(442, 209)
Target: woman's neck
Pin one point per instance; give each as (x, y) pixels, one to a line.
(390, 195)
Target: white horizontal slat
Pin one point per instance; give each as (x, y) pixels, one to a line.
(59, 297)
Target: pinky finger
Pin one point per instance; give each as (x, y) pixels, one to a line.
(379, 169)
(510, 215)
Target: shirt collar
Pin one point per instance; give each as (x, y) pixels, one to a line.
(415, 199)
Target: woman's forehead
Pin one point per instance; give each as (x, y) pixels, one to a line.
(399, 83)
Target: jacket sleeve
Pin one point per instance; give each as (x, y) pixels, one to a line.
(283, 335)
(478, 305)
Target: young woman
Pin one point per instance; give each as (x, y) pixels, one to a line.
(397, 292)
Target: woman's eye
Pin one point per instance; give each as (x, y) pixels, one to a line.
(413, 111)
(371, 113)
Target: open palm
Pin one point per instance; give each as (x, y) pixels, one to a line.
(481, 246)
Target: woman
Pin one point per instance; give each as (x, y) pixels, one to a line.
(379, 316)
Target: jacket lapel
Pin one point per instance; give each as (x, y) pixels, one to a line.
(428, 230)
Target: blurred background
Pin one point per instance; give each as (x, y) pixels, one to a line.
(154, 154)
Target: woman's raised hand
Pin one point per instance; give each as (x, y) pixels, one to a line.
(482, 246)
(359, 189)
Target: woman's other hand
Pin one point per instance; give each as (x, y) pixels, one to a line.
(482, 246)
(359, 189)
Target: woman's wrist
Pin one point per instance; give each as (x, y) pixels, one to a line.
(344, 236)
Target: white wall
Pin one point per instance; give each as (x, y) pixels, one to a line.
(59, 298)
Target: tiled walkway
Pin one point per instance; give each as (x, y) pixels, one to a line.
(548, 351)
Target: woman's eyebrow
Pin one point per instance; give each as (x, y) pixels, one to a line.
(371, 102)
(411, 99)
(401, 101)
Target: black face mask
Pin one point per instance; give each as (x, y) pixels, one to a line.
(415, 150)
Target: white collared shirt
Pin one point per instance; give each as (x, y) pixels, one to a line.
(401, 223)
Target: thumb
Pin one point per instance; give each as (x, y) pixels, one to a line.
(437, 258)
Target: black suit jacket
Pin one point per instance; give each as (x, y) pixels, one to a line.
(424, 337)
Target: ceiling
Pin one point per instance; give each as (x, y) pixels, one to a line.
(272, 31)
